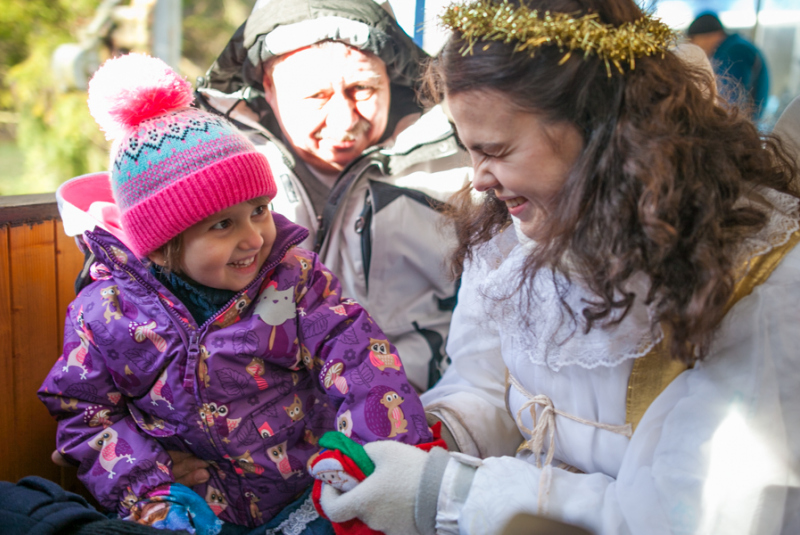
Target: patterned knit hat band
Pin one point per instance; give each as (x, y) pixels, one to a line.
(156, 220)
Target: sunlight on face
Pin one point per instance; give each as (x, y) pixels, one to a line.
(523, 159)
(331, 101)
(226, 250)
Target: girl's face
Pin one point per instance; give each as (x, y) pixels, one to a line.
(226, 250)
(515, 153)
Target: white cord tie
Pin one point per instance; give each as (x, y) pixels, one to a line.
(544, 425)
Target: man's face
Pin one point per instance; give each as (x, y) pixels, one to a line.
(331, 101)
(708, 41)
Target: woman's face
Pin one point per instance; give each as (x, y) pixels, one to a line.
(515, 153)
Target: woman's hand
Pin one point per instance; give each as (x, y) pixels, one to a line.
(384, 500)
(187, 469)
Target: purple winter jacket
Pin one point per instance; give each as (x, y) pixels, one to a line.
(251, 390)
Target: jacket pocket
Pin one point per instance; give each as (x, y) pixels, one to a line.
(282, 450)
(155, 427)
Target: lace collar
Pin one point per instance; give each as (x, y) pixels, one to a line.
(552, 337)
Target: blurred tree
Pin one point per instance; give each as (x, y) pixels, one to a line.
(207, 27)
(55, 132)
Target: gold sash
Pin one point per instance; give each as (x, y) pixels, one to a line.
(653, 372)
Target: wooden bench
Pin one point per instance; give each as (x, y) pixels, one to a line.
(38, 266)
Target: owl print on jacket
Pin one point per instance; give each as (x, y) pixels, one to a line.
(308, 360)
(344, 423)
(112, 449)
(287, 465)
(295, 410)
(216, 500)
(231, 314)
(380, 357)
(212, 414)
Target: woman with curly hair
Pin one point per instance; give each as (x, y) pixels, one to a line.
(625, 346)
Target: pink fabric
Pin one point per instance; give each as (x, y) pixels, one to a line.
(154, 221)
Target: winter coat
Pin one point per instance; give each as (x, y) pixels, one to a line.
(380, 228)
(251, 390)
(716, 452)
(742, 73)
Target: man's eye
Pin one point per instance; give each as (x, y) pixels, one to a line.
(362, 92)
(222, 225)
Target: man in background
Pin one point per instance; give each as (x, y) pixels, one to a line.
(740, 67)
(326, 89)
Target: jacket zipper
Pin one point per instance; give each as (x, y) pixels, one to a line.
(193, 334)
(339, 192)
(364, 228)
(191, 361)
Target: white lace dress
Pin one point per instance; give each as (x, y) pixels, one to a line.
(717, 452)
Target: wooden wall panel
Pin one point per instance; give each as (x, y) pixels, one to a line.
(69, 261)
(8, 449)
(34, 315)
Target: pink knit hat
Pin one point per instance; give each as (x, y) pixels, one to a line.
(171, 165)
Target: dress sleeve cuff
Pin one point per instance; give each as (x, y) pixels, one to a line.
(453, 488)
(428, 491)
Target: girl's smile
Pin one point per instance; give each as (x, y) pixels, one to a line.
(226, 250)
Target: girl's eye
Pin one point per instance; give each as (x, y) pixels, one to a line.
(259, 210)
(221, 225)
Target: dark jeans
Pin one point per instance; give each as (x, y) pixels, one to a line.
(36, 505)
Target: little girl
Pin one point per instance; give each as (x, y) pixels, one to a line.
(625, 345)
(205, 329)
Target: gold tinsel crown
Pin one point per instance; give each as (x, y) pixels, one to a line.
(484, 20)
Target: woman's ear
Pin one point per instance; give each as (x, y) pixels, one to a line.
(158, 257)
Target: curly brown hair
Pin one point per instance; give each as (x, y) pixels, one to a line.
(654, 189)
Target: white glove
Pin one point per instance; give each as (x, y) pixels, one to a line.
(385, 500)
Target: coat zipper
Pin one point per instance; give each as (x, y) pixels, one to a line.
(363, 227)
(191, 361)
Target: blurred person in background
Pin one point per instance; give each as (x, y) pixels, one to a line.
(742, 74)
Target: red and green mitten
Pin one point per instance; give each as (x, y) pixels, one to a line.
(343, 463)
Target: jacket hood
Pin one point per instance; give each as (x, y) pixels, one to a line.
(277, 27)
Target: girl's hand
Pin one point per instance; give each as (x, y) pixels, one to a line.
(188, 469)
(175, 507)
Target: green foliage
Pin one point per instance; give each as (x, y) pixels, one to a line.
(58, 137)
(56, 133)
(207, 27)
